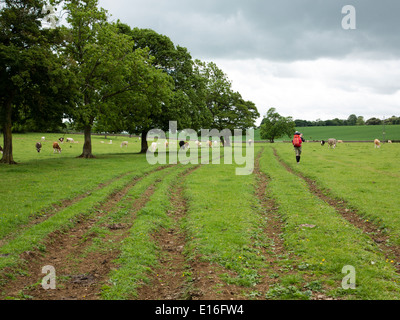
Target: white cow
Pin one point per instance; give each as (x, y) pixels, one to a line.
(124, 144)
(332, 143)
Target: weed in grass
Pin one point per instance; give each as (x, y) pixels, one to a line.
(290, 292)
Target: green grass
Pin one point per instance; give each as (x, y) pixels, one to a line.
(224, 223)
(222, 219)
(351, 133)
(347, 133)
(366, 177)
(333, 243)
(139, 254)
(32, 187)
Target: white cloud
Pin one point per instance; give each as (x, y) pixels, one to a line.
(324, 88)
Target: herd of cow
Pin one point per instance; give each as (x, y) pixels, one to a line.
(332, 143)
(56, 145)
(183, 144)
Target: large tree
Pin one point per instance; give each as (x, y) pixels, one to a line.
(186, 104)
(227, 108)
(275, 126)
(33, 80)
(105, 65)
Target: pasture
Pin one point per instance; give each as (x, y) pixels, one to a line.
(347, 133)
(117, 228)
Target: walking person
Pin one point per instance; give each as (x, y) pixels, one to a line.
(297, 144)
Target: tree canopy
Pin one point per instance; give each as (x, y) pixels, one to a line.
(275, 126)
(105, 76)
(34, 81)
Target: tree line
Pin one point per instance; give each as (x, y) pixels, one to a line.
(104, 76)
(352, 120)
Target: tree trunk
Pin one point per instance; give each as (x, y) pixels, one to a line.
(87, 147)
(227, 141)
(144, 142)
(7, 131)
(222, 138)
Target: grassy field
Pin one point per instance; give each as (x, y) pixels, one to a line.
(348, 133)
(117, 228)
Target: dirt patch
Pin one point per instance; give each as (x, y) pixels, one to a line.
(179, 277)
(352, 215)
(47, 213)
(80, 274)
(273, 230)
(169, 281)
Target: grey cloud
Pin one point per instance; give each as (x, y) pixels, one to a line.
(283, 30)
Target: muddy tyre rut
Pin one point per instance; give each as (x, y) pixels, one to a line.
(342, 207)
(80, 273)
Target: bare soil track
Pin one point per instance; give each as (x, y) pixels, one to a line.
(80, 275)
(380, 238)
(169, 280)
(48, 212)
(178, 276)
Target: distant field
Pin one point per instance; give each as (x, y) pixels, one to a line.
(349, 133)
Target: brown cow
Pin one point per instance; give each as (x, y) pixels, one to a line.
(56, 147)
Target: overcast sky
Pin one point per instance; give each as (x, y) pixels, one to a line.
(293, 55)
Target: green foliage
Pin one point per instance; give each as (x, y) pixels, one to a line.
(275, 126)
(34, 81)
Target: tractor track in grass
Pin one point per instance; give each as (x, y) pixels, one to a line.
(380, 238)
(273, 228)
(80, 275)
(168, 280)
(51, 210)
(179, 276)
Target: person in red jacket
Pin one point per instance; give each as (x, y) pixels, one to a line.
(297, 144)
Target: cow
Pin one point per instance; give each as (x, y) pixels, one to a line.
(38, 147)
(1, 150)
(377, 143)
(250, 142)
(390, 141)
(153, 146)
(340, 141)
(124, 144)
(61, 140)
(182, 144)
(56, 147)
(323, 142)
(43, 138)
(70, 140)
(332, 143)
(166, 144)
